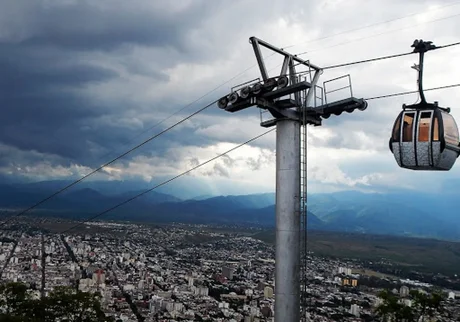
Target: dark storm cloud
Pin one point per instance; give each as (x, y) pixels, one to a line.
(50, 51)
(45, 60)
(55, 54)
(37, 109)
(27, 69)
(101, 25)
(15, 158)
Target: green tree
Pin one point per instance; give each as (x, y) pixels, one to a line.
(68, 305)
(62, 304)
(13, 296)
(423, 305)
(427, 304)
(391, 309)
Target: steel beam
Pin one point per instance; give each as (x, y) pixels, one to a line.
(256, 42)
(284, 68)
(294, 88)
(260, 59)
(310, 94)
(287, 254)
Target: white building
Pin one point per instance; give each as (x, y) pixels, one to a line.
(354, 309)
(404, 291)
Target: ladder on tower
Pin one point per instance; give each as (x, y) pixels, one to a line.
(303, 199)
(317, 98)
(303, 222)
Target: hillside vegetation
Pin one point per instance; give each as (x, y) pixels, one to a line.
(404, 253)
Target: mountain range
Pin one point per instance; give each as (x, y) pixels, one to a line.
(398, 213)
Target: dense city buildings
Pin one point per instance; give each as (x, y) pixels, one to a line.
(189, 273)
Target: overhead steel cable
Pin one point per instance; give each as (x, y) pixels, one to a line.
(356, 29)
(182, 109)
(269, 56)
(371, 25)
(386, 57)
(254, 65)
(376, 58)
(352, 30)
(146, 141)
(108, 163)
(224, 153)
(379, 34)
(283, 48)
(167, 181)
(368, 60)
(449, 45)
(164, 131)
(411, 92)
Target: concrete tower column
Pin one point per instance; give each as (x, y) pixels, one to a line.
(287, 275)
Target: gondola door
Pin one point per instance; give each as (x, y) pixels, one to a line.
(423, 143)
(407, 143)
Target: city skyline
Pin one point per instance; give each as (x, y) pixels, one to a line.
(210, 272)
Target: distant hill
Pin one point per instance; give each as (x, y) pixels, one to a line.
(244, 201)
(406, 214)
(398, 214)
(152, 196)
(202, 197)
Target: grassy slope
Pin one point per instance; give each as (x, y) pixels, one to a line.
(422, 254)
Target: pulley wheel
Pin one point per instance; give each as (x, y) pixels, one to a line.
(245, 92)
(269, 84)
(283, 81)
(233, 98)
(222, 103)
(257, 88)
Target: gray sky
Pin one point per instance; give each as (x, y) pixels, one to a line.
(80, 79)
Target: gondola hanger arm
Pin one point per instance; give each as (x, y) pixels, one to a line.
(421, 47)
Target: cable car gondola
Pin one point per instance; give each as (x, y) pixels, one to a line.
(425, 136)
